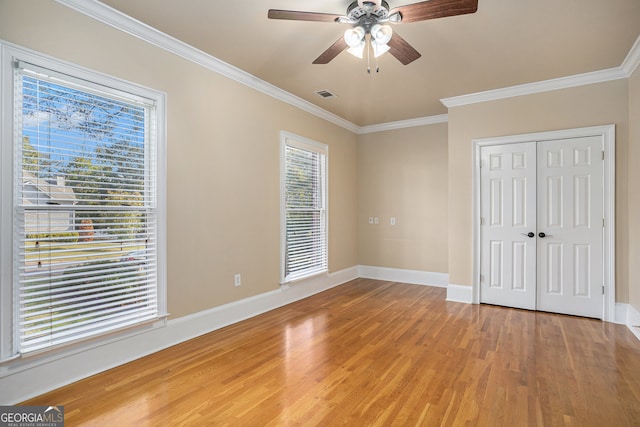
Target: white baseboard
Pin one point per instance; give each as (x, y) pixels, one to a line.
(620, 316)
(33, 378)
(415, 277)
(628, 315)
(22, 379)
(460, 293)
(633, 316)
(633, 320)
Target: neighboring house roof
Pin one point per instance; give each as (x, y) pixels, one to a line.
(57, 191)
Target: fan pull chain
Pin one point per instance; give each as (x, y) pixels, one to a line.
(368, 46)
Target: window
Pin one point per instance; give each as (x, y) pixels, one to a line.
(86, 195)
(303, 207)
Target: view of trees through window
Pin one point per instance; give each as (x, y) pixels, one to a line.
(305, 212)
(87, 238)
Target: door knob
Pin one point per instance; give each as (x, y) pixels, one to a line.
(542, 235)
(529, 234)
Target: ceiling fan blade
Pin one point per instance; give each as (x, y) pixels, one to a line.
(293, 15)
(433, 9)
(402, 50)
(333, 51)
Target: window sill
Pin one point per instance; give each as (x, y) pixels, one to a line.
(286, 284)
(23, 362)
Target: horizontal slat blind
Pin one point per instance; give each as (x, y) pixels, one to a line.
(86, 221)
(305, 206)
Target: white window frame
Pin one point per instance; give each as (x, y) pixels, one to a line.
(9, 55)
(296, 141)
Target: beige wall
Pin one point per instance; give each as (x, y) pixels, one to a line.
(598, 104)
(403, 174)
(223, 157)
(634, 189)
(223, 165)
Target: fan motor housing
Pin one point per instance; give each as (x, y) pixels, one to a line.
(357, 13)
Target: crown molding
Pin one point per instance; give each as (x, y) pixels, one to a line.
(537, 87)
(421, 121)
(624, 71)
(632, 60)
(118, 20)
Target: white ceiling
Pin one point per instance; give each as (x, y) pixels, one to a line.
(505, 43)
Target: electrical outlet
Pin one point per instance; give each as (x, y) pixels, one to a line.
(370, 220)
(376, 221)
(393, 221)
(237, 280)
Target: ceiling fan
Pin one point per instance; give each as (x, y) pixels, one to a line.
(368, 21)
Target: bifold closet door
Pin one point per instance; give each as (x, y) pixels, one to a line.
(542, 226)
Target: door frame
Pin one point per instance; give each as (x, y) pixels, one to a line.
(608, 135)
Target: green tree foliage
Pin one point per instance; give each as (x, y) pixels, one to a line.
(302, 181)
(35, 161)
(100, 182)
(103, 155)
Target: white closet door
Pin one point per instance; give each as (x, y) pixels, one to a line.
(508, 225)
(570, 217)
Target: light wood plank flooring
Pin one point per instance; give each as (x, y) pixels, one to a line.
(376, 353)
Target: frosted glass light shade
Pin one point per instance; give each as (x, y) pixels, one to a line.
(357, 51)
(381, 34)
(354, 36)
(379, 49)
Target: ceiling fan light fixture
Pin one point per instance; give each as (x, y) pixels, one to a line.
(354, 37)
(357, 51)
(379, 49)
(381, 34)
(363, 15)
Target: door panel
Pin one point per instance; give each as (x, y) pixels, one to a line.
(570, 214)
(555, 190)
(508, 210)
(554, 269)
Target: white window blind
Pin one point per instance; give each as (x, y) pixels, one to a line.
(304, 207)
(86, 209)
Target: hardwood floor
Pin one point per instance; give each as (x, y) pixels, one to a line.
(376, 353)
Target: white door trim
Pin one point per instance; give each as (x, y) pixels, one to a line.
(607, 133)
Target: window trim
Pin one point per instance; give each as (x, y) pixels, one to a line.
(9, 54)
(293, 140)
